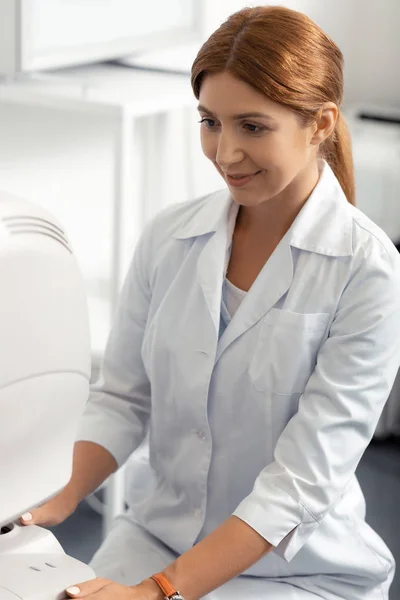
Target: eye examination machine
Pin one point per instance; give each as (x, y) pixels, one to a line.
(44, 385)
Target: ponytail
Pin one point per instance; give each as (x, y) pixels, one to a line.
(337, 152)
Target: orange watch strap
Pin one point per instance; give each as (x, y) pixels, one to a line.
(165, 584)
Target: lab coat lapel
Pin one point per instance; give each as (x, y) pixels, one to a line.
(210, 272)
(212, 225)
(272, 283)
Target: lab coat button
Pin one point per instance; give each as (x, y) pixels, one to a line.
(198, 513)
(201, 435)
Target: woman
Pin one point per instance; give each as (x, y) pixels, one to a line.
(257, 338)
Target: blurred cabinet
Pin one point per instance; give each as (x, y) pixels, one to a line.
(43, 34)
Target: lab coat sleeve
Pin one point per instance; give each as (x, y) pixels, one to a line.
(118, 409)
(318, 451)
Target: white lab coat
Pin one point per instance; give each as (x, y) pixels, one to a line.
(269, 420)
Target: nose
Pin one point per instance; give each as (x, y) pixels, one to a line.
(228, 150)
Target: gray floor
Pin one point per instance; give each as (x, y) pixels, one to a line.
(379, 475)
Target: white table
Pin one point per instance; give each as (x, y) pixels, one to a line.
(123, 95)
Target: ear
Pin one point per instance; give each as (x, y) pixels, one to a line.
(325, 122)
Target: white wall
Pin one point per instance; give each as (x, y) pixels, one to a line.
(368, 35)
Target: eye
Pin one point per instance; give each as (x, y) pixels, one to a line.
(208, 123)
(251, 128)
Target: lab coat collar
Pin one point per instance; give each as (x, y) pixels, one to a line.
(324, 224)
(212, 215)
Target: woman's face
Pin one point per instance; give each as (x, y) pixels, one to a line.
(256, 145)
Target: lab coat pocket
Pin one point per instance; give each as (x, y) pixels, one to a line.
(286, 350)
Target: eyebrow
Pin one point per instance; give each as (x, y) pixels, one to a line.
(247, 115)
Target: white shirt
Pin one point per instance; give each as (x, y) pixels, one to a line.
(269, 420)
(232, 296)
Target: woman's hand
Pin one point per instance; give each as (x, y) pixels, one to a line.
(92, 464)
(53, 512)
(104, 589)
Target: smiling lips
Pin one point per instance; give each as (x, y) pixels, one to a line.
(240, 179)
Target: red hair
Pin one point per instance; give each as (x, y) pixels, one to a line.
(287, 57)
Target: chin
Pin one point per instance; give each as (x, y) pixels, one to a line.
(248, 199)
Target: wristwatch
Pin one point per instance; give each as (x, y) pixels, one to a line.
(170, 593)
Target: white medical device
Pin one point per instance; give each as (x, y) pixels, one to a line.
(44, 385)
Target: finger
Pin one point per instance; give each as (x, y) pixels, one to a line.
(27, 519)
(81, 590)
(39, 516)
